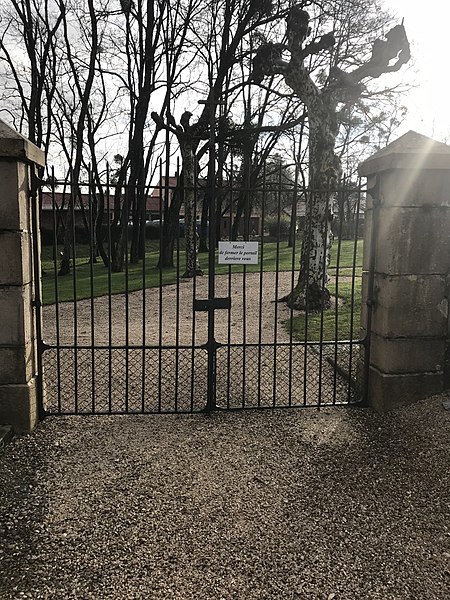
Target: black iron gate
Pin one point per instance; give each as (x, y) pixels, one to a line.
(142, 339)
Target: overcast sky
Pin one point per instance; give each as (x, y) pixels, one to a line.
(427, 25)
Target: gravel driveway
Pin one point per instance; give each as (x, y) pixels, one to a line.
(336, 504)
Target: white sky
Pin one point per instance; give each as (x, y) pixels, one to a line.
(426, 25)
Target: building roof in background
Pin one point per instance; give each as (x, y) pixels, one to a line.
(60, 199)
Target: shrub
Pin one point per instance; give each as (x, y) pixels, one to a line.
(278, 228)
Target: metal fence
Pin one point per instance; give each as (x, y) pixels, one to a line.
(143, 339)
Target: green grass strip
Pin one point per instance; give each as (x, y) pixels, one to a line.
(169, 276)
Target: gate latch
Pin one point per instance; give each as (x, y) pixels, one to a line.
(212, 304)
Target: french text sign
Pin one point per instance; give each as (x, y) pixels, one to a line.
(238, 253)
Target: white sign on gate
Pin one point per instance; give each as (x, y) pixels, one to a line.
(238, 253)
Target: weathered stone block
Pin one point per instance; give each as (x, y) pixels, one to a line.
(408, 187)
(407, 355)
(447, 365)
(17, 364)
(15, 258)
(14, 145)
(410, 180)
(19, 406)
(364, 298)
(448, 296)
(17, 315)
(413, 240)
(368, 231)
(410, 306)
(387, 391)
(14, 203)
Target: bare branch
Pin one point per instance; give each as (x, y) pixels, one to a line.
(395, 48)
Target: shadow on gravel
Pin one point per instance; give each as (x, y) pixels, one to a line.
(337, 504)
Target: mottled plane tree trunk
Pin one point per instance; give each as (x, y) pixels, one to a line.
(322, 106)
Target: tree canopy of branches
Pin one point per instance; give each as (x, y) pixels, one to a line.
(324, 103)
(93, 80)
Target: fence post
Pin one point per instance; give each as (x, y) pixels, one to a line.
(406, 270)
(19, 159)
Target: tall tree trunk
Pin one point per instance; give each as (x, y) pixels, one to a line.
(311, 290)
(170, 226)
(243, 192)
(119, 236)
(99, 227)
(64, 268)
(190, 232)
(83, 95)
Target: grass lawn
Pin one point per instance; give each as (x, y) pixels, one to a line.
(334, 324)
(96, 280)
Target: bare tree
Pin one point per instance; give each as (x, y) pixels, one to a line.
(218, 35)
(153, 61)
(187, 136)
(84, 86)
(93, 71)
(33, 26)
(340, 87)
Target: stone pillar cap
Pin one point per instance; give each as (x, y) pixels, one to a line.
(410, 151)
(14, 145)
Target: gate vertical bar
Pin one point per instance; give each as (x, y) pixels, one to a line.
(352, 303)
(74, 283)
(55, 277)
(127, 299)
(293, 240)
(342, 192)
(374, 192)
(230, 227)
(277, 286)
(325, 241)
(144, 289)
(261, 281)
(308, 235)
(37, 288)
(91, 282)
(163, 188)
(194, 294)
(177, 301)
(211, 393)
(110, 365)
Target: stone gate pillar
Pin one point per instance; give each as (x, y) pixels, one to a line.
(406, 270)
(18, 350)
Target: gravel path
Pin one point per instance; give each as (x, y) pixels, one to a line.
(246, 307)
(338, 504)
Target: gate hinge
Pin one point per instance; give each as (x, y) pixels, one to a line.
(36, 182)
(375, 191)
(43, 346)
